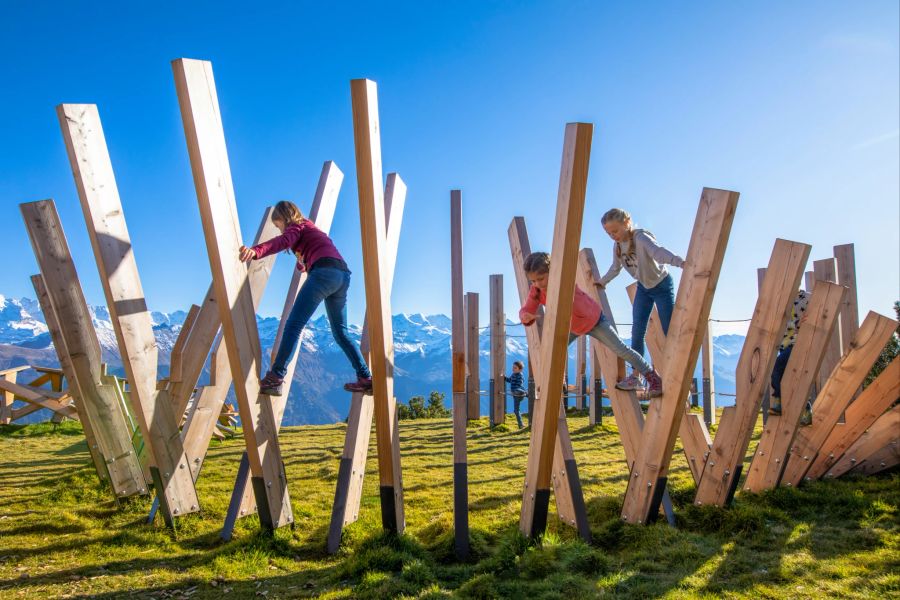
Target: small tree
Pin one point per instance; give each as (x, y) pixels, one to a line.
(436, 408)
(416, 408)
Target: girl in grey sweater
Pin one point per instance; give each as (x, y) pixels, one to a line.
(638, 251)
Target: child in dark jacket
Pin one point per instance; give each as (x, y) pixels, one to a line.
(328, 280)
(516, 383)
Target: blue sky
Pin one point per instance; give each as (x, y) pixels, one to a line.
(795, 105)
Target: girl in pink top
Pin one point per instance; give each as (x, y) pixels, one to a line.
(587, 319)
(328, 280)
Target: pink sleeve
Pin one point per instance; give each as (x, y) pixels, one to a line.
(532, 302)
(277, 243)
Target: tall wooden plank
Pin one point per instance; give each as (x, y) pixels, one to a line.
(98, 402)
(581, 372)
(555, 336)
(837, 393)
(498, 350)
(348, 491)
(826, 270)
(105, 219)
(695, 293)
(473, 358)
(367, 138)
(760, 277)
(65, 363)
(205, 137)
(460, 407)
(709, 381)
(595, 404)
(799, 375)
(877, 449)
(865, 410)
(845, 256)
(176, 356)
(754, 371)
(570, 506)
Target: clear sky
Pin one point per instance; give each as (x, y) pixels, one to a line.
(794, 104)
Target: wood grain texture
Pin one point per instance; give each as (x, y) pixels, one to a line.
(877, 449)
(473, 358)
(826, 270)
(498, 350)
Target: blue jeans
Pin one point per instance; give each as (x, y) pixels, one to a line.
(517, 406)
(330, 285)
(663, 295)
(778, 370)
(606, 335)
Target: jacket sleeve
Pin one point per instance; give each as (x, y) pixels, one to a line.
(614, 268)
(660, 254)
(278, 243)
(532, 303)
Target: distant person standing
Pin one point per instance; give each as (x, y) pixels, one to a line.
(516, 383)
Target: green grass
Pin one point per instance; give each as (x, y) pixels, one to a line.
(62, 535)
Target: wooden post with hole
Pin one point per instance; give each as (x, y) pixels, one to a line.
(555, 328)
(366, 133)
(712, 227)
(460, 403)
(473, 358)
(205, 138)
(498, 351)
(754, 371)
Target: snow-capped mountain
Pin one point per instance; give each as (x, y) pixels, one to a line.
(421, 349)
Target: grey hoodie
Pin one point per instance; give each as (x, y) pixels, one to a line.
(645, 262)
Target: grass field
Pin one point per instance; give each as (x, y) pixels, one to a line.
(62, 535)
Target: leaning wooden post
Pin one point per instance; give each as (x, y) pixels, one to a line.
(875, 450)
(98, 401)
(754, 371)
(498, 351)
(760, 276)
(826, 270)
(595, 406)
(581, 372)
(846, 276)
(695, 293)
(366, 133)
(113, 251)
(709, 382)
(218, 212)
(473, 358)
(460, 408)
(555, 336)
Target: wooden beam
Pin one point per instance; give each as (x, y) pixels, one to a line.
(458, 368)
(39, 397)
(845, 256)
(98, 401)
(799, 376)
(760, 277)
(826, 270)
(595, 406)
(754, 372)
(105, 219)
(366, 134)
(570, 506)
(555, 337)
(865, 410)
(581, 372)
(473, 358)
(695, 293)
(176, 356)
(709, 381)
(205, 137)
(498, 350)
(837, 393)
(877, 449)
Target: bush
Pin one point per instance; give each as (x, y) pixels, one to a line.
(416, 409)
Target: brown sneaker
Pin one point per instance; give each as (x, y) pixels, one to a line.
(362, 384)
(654, 384)
(270, 385)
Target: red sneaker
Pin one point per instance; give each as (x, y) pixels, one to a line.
(362, 384)
(270, 384)
(654, 384)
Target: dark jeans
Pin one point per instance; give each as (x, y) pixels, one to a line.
(328, 284)
(663, 295)
(778, 370)
(517, 406)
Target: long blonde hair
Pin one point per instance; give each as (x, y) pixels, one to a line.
(620, 216)
(287, 212)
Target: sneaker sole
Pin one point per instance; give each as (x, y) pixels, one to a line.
(627, 388)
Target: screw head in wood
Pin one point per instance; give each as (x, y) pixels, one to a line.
(181, 466)
(166, 475)
(193, 507)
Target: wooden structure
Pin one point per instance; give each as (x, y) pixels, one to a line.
(55, 398)
(460, 403)
(498, 352)
(473, 358)
(709, 381)
(581, 385)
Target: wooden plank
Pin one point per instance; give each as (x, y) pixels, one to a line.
(837, 392)
(760, 277)
(695, 293)
(570, 506)
(473, 358)
(555, 337)
(498, 350)
(877, 449)
(581, 372)
(595, 405)
(845, 256)
(868, 406)
(799, 376)
(367, 142)
(67, 300)
(218, 211)
(348, 492)
(694, 435)
(113, 251)
(39, 397)
(826, 270)
(458, 368)
(7, 398)
(754, 372)
(709, 382)
(176, 356)
(62, 354)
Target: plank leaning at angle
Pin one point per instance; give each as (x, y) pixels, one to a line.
(367, 138)
(865, 410)
(498, 351)
(845, 257)
(570, 507)
(709, 382)
(799, 375)
(695, 293)
(826, 270)
(837, 393)
(348, 491)
(473, 358)
(98, 401)
(39, 397)
(218, 211)
(694, 435)
(754, 372)
(105, 219)
(458, 367)
(176, 356)
(881, 436)
(62, 354)
(581, 372)
(555, 328)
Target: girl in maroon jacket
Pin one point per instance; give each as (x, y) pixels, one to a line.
(328, 279)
